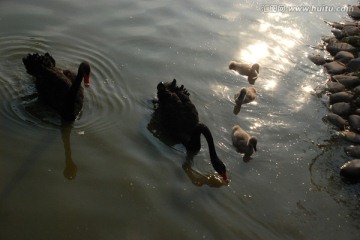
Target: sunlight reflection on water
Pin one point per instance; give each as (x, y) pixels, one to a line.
(280, 40)
(255, 52)
(270, 84)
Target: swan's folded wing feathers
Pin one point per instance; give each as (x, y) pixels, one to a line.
(69, 74)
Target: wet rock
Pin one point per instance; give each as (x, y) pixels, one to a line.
(329, 40)
(354, 122)
(341, 97)
(351, 170)
(344, 57)
(335, 87)
(346, 31)
(355, 12)
(353, 151)
(317, 59)
(335, 67)
(336, 120)
(356, 102)
(349, 81)
(335, 46)
(341, 108)
(351, 137)
(354, 64)
(341, 25)
(356, 90)
(357, 111)
(350, 30)
(352, 40)
(337, 33)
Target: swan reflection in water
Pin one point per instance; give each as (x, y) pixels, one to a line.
(199, 179)
(44, 114)
(70, 167)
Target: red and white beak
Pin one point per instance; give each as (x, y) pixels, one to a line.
(87, 80)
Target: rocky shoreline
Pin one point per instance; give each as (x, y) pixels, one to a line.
(343, 86)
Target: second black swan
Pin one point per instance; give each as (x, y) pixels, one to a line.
(58, 88)
(179, 118)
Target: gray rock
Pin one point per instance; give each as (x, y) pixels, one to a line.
(341, 108)
(338, 33)
(346, 31)
(355, 12)
(356, 112)
(336, 120)
(353, 151)
(356, 90)
(349, 81)
(351, 170)
(329, 40)
(352, 40)
(354, 64)
(344, 57)
(335, 67)
(351, 137)
(317, 59)
(341, 97)
(350, 31)
(334, 87)
(341, 25)
(356, 102)
(354, 122)
(334, 47)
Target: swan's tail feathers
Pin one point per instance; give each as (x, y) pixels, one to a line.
(36, 63)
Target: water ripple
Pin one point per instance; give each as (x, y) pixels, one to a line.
(106, 98)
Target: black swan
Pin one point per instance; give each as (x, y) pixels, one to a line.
(60, 89)
(179, 118)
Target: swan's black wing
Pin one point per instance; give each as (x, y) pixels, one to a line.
(52, 82)
(177, 113)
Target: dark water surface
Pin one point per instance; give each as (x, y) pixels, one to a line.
(108, 177)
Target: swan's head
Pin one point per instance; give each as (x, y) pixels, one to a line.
(220, 168)
(255, 68)
(253, 143)
(160, 86)
(240, 97)
(84, 71)
(253, 75)
(170, 86)
(232, 65)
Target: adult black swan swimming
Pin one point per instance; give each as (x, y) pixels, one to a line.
(60, 89)
(179, 118)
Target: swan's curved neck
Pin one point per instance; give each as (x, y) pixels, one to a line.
(75, 87)
(69, 106)
(195, 143)
(241, 97)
